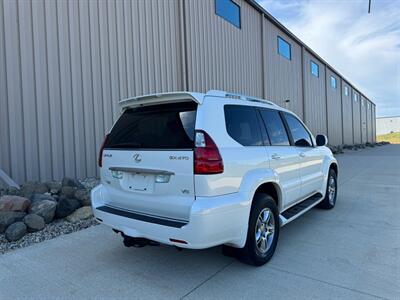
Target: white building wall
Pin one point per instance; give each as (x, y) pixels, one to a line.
(387, 125)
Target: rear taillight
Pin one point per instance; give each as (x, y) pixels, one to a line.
(207, 159)
(100, 161)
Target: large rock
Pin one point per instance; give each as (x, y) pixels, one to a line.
(66, 206)
(9, 217)
(46, 209)
(28, 188)
(83, 197)
(15, 231)
(34, 222)
(68, 191)
(41, 188)
(14, 203)
(54, 186)
(72, 183)
(31, 187)
(13, 191)
(40, 197)
(82, 213)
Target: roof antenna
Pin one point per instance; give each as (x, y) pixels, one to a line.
(369, 6)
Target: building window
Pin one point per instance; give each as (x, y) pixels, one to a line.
(228, 10)
(346, 91)
(284, 48)
(368, 105)
(362, 102)
(333, 82)
(355, 98)
(314, 68)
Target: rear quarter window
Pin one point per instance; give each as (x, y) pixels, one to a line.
(166, 126)
(242, 125)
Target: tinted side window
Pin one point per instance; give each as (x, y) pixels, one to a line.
(166, 126)
(242, 125)
(275, 128)
(300, 135)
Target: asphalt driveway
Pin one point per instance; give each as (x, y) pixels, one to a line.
(351, 252)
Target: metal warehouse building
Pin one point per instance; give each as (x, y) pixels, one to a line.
(385, 125)
(65, 64)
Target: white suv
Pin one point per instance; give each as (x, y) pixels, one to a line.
(200, 170)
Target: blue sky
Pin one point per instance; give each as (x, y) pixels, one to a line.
(364, 47)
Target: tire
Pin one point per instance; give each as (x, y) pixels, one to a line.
(262, 237)
(331, 191)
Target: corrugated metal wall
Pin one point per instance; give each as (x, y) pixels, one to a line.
(334, 109)
(373, 123)
(65, 64)
(347, 113)
(314, 96)
(222, 56)
(5, 161)
(63, 67)
(369, 122)
(282, 73)
(364, 134)
(356, 116)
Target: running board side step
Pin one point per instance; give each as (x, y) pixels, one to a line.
(297, 210)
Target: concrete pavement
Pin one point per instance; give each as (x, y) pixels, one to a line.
(350, 252)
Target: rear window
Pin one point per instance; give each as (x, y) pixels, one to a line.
(166, 126)
(242, 125)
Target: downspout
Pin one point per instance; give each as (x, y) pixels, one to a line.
(7, 180)
(263, 59)
(341, 107)
(183, 34)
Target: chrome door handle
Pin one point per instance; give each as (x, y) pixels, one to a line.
(275, 156)
(302, 154)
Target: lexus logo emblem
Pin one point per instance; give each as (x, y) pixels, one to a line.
(137, 158)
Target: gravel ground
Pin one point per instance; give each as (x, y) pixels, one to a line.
(52, 230)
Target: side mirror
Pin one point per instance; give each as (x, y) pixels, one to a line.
(321, 140)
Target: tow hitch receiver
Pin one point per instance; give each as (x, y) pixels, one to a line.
(138, 242)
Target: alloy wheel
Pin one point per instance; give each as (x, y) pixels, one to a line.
(265, 230)
(331, 190)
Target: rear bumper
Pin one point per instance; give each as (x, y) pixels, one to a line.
(213, 221)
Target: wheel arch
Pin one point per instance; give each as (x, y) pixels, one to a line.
(334, 166)
(268, 186)
(271, 188)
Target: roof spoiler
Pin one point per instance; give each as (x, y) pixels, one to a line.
(161, 98)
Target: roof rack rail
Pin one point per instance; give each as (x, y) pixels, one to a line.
(238, 96)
